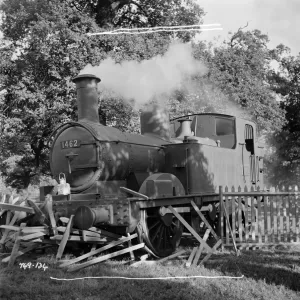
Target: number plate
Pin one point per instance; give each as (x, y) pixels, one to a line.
(70, 144)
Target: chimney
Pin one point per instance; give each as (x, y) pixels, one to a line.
(87, 97)
(155, 121)
(184, 129)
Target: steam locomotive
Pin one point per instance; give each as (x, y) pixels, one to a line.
(124, 182)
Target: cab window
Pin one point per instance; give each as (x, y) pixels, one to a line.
(224, 126)
(225, 132)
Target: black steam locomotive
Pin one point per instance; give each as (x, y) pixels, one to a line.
(124, 182)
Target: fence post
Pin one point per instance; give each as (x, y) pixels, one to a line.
(221, 221)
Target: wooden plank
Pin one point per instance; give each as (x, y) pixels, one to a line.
(20, 202)
(104, 232)
(74, 231)
(16, 208)
(288, 219)
(49, 209)
(3, 198)
(112, 244)
(273, 207)
(189, 228)
(227, 203)
(64, 220)
(63, 229)
(246, 220)
(276, 218)
(92, 233)
(197, 256)
(297, 218)
(78, 238)
(64, 240)
(11, 222)
(78, 232)
(21, 252)
(25, 229)
(266, 228)
(129, 191)
(10, 227)
(240, 220)
(38, 214)
(105, 257)
(83, 236)
(284, 219)
(221, 222)
(10, 237)
(2, 212)
(176, 254)
(129, 246)
(215, 247)
(259, 220)
(233, 225)
(293, 213)
(204, 220)
(32, 236)
(253, 233)
(15, 200)
(189, 261)
(16, 246)
(206, 235)
(10, 199)
(228, 224)
(279, 229)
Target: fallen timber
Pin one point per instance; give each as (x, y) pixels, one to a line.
(248, 219)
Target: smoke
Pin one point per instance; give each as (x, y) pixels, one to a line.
(150, 79)
(204, 96)
(154, 80)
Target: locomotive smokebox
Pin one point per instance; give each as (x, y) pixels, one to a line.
(87, 97)
(155, 121)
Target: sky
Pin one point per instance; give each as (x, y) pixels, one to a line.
(280, 19)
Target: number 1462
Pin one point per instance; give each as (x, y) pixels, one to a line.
(70, 144)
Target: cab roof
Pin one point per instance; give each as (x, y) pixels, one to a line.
(212, 114)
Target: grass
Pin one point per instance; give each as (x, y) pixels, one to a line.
(267, 275)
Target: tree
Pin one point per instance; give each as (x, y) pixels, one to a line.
(237, 81)
(47, 46)
(142, 13)
(38, 94)
(240, 68)
(285, 158)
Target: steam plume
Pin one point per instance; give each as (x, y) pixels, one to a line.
(143, 81)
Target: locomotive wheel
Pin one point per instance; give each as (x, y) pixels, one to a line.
(161, 233)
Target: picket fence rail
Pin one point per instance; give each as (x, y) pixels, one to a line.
(260, 217)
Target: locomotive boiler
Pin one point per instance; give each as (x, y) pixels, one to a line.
(124, 182)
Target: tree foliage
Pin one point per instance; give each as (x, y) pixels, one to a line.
(237, 81)
(141, 13)
(241, 67)
(285, 158)
(46, 44)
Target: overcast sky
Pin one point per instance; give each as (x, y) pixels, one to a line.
(280, 19)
